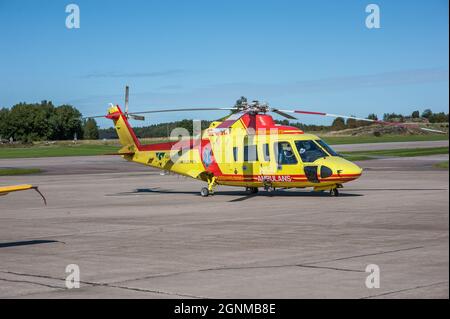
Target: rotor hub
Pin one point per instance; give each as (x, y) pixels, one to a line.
(255, 107)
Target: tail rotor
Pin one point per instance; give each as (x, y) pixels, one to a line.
(127, 114)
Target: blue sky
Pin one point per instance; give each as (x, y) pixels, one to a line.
(314, 55)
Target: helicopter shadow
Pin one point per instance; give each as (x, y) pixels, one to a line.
(276, 193)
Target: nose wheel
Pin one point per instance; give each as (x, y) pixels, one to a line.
(204, 192)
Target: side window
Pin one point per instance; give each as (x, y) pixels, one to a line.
(284, 153)
(250, 153)
(266, 154)
(235, 154)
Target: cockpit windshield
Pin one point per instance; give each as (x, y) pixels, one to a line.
(327, 148)
(309, 151)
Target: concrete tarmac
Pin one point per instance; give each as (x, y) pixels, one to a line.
(137, 234)
(389, 146)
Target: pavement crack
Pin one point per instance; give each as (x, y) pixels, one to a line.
(303, 265)
(406, 289)
(93, 284)
(239, 268)
(29, 275)
(364, 255)
(155, 291)
(331, 268)
(281, 266)
(31, 282)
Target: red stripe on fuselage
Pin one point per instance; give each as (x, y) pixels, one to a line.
(296, 178)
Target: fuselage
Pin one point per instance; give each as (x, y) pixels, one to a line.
(254, 152)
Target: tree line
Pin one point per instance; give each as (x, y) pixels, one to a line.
(155, 130)
(45, 121)
(426, 116)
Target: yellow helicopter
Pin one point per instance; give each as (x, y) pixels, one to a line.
(246, 149)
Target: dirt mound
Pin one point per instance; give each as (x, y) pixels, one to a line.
(379, 130)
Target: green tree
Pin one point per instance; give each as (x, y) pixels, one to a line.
(4, 113)
(440, 117)
(241, 101)
(352, 123)
(393, 117)
(90, 130)
(427, 113)
(66, 122)
(338, 124)
(372, 116)
(415, 114)
(30, 122)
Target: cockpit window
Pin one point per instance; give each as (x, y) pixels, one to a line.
(327, 148)
(284, 153)
(309, 151)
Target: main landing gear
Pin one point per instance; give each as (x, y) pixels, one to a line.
(334, 192)
(206, 191)
(251, 190)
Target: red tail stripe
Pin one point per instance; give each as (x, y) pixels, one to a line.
(135, 139)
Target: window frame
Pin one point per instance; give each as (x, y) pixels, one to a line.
(265, 152)
(326, 148)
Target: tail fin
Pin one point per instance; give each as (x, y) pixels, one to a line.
(126, 134)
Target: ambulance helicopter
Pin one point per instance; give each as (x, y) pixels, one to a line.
(246, 149)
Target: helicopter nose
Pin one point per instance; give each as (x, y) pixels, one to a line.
(351, 171)
(335, 168)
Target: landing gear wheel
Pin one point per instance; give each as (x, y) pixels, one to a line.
(334, 192)
(251, 190)
(204, 192)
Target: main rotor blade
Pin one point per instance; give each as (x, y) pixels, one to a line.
(363, 119)
(233, 118)
(332, 115)
(92, 117)
(137, 117)
(134, 114)
(432, 130)
(284, 114)
(185, 110)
